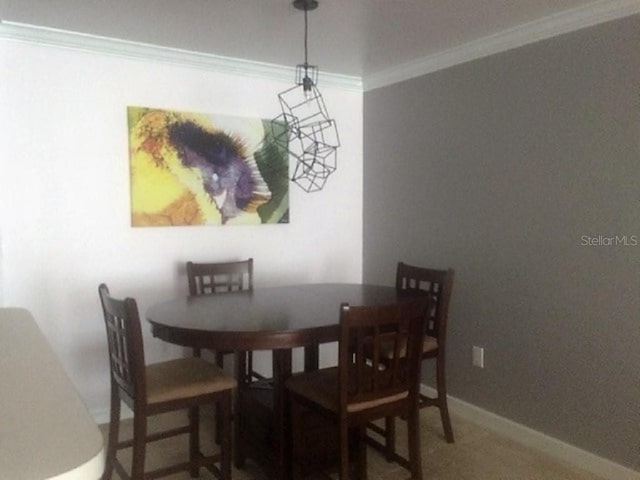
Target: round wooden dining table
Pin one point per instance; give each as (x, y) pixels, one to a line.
(276, 319)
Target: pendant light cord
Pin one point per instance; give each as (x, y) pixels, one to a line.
(306, 28)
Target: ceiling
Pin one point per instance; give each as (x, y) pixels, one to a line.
(350, 37)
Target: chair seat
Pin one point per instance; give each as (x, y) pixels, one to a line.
(429, 344)
(321, 387)
(184, 378)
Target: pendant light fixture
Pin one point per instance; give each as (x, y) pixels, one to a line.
(311, 135)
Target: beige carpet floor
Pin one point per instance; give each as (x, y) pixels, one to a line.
(477, 454)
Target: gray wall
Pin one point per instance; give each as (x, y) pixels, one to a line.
(498, 168)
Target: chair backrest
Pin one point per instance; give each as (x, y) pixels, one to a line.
(438, 284)
(208, 278)
(126, 350)
(366, 378)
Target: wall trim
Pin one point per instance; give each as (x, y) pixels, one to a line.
(564, 22)
(558, 449)
(174, 56)
(102, 415)
(553, 447)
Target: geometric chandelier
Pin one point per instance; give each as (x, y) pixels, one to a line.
(311, 134)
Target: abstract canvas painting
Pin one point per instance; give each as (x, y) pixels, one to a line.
(192, 168)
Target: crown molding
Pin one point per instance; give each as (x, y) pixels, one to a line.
(594, 13)
(568, 21)
(174, 56)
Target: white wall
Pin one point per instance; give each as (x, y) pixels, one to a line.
(64, 197)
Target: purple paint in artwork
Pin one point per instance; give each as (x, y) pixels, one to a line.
(227, 177)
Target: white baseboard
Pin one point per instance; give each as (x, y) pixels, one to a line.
(532, 438)
(101, 416)
(527, 436)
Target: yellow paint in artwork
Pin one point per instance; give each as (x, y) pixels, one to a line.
(163, 190)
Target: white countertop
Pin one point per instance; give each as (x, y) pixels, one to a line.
(46, 432)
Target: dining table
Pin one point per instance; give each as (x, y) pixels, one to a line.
(277, 319)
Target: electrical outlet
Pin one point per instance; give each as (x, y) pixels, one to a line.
(478, 357)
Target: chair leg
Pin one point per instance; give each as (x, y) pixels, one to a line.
(218, 428)
(344, 450)
(250, 365)
(389, 437)
(114, 430)
(442, 400)
(238, 427)
(139, 445)
(413, 431)
(294, 432)
(361, 434)
(194, 441)
(220, 359)
(225, 444)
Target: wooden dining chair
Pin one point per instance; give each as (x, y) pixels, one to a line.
(223, 277)
(363, 387)
(185, 383)
(209, 278)
(437, 284)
